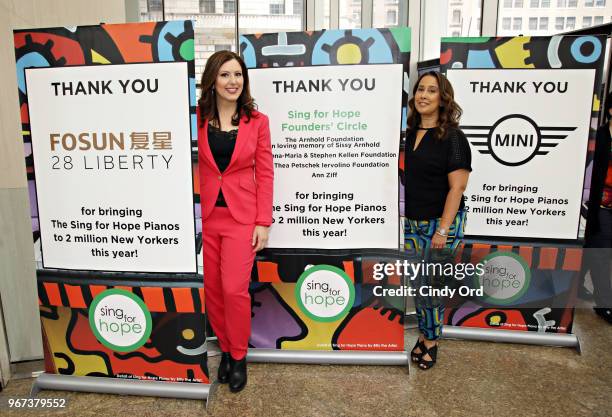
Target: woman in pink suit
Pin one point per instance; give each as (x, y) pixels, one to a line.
(236, 176)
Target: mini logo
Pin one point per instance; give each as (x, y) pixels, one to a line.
(120, 320)
(325, 293)
(515, 139)
(505, 279)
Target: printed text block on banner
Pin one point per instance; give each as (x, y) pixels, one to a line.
(335, 139)
(112, 157)
(528, 130)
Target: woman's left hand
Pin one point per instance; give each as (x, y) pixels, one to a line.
(438, 241)
(260, 238)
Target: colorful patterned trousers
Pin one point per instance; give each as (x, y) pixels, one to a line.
(417, 237)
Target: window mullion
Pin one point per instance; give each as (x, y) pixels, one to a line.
(334, 14)
(367, 13)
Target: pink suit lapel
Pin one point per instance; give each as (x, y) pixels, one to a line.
(244, 130)
(207, 152)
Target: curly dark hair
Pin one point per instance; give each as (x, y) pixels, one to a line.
(207, 102)
(450, 112)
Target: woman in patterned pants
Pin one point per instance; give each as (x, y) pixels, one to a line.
(437, 167)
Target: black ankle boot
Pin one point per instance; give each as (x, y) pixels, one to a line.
(238, 374)
(223, 373)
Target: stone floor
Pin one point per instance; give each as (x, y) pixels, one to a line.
(470, 379)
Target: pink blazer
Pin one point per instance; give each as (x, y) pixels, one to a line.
(247, 181)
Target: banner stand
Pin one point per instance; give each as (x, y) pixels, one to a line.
(332, 357)
(511, 336)
(101, 385)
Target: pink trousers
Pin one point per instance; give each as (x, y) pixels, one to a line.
(228, 260)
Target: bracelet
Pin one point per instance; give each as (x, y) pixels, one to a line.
(441, 234)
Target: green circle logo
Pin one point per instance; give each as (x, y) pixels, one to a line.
(505, 279)
(325, 293)
(120, 320)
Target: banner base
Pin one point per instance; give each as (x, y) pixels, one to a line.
(511, 336)
(331, 357)
(102, 385)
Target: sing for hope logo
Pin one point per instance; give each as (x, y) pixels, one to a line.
(325, 293)
(120, 320)
(505, 279)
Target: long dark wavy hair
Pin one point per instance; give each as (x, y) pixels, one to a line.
(450, 112)
(208, 103)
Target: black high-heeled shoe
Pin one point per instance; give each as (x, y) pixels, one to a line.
(414, 356)
(223, 373)
(238, 374)
(426, 364)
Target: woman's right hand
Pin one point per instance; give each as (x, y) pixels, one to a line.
(260, 238)
(438, 241)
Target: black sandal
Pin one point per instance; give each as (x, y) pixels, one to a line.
(416, 357)
(604, 313)
(425, 364)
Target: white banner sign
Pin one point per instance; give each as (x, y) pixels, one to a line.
(528, 131)
(112, 158)
(335, 138)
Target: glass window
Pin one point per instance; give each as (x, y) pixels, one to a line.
(298, 6)
(440, 19)
(518, 3)
(207, 6)
(559, 23)
(546, 20)
(322, 14)
(507, 3)
(215, 28)
(464, 19)
(600, 3)
(277, 6)
(350, 14)
(212, 31)
(154, 6)
(598, 20)
(384, 10)
(150, 10)
(588, 3)
(229, 6)
(572, 3)
(587, 21)
(534, 3)
(266, 16)
(517, 23)
(533, 23)
(456, 17)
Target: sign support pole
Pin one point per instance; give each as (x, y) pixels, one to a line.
(46, 381)
(511, 336)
